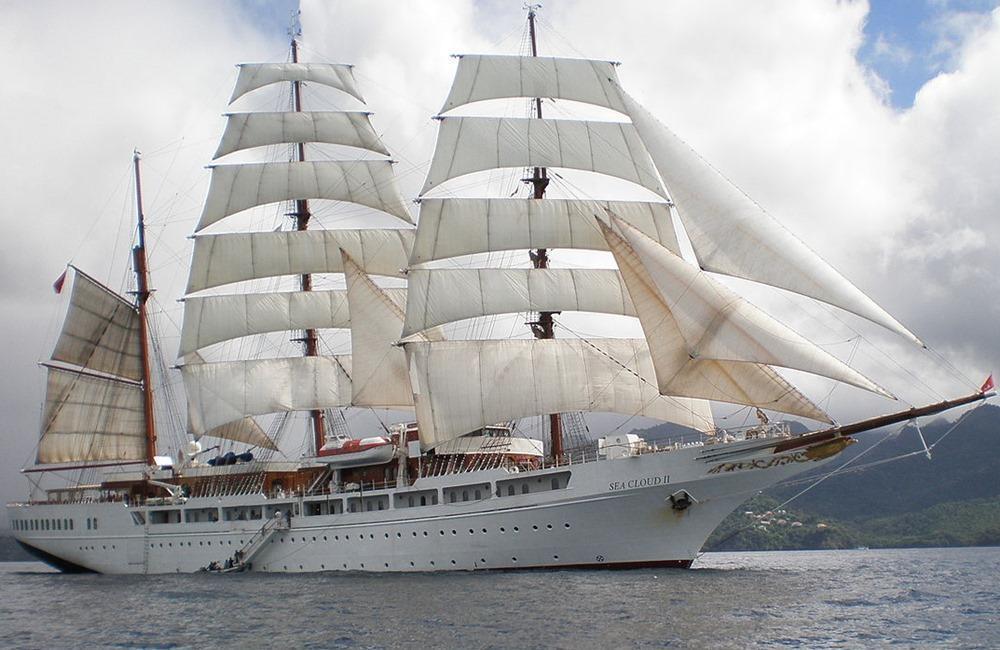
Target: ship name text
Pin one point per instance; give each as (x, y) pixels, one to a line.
(645, 481)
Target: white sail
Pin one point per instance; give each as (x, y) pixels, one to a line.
(481, 77)
(246, 430)
(460, 386)
(89, 418)
(733, 235)
(455, 227)
(379, 373)
(223, 392)
(235, 257)
(348, 128)
(701, 319)
(257, 75)
(439, 296)
(472, 144)
(677, 373)
(213, 319)
(235, 188)
(101, 331)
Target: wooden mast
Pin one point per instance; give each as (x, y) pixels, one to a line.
(543, 328)
(141, 297)
(302, 215)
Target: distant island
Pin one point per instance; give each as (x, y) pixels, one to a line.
(951, 500)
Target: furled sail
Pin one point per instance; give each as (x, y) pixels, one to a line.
(439, 296)
(101, 331)
(347, 128)
(731, 234)
(481, 77)
(460, 386)
(257, 75)
(471, 144)
(213, 319)
(455, 227)
(235, 257)
(91, 418)
(379, 374)
(227, 391)
(688, 317)
(235, 188)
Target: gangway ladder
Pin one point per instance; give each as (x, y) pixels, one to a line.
(257, 541)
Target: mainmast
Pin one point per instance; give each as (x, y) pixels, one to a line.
(141, 296)
(543, 328)
(302, 215)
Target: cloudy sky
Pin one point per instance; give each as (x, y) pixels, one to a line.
(871, 131)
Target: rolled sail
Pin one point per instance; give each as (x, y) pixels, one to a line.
(223, 392)
(471, 144)
(257, 75)
(347, 128)
(481, 77)
(460, 386)
(101, 331)
(235, 188)
(439, 296)
(90, 418)
(733, 235)
(455, 227)
(236, 257)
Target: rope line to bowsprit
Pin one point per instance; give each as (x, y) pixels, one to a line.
(843, 469)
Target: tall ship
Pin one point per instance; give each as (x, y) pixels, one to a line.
(459, 318)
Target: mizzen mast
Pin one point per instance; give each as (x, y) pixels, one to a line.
(142, 296)
(302, 214)
(544, 327)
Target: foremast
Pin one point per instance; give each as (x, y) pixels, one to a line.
(544, 327)
(142, 293)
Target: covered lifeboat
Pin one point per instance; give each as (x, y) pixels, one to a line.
(348, 452)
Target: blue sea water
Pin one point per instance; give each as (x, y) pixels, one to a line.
(807, 599)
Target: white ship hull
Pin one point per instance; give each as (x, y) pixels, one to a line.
(607, 513)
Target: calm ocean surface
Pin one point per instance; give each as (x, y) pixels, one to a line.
(905, 598)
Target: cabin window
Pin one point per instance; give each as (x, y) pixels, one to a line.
(524, 488)
(409, 501)
(454, 497)
(71, 524)
(465, 495)
(95, 523)
(369, 506)
(479, 495)
(510, 490)
(555, 483)
(423, 499)
(138, 518)
(354, 507)
(88, 523)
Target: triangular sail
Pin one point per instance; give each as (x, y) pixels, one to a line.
(687, 316)
(731, 234)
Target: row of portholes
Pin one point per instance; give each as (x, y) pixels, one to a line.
(482, 561)
(208, 543)
(94, 548)
(399, 535)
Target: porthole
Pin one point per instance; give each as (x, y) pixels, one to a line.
(345, 566)
(362, 565)
(314, 539)
(549, 526)
(484, 531)
(454, 532)
(513, 559)
(322, 566)
(441, 531)
(399, 534)
(325, 539)
(336, 538)
(565, 525)
(555, 557)
(534, 527)
(387, 565)
(432, 562)
(502, 529)
(472, 532)
(453, 561)
(425, 533)
(387, 535)
(414, 533)
(482, 560)
(411, 563)
(516, 529)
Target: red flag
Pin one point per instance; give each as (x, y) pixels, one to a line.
(988, 385)
(58, 284)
